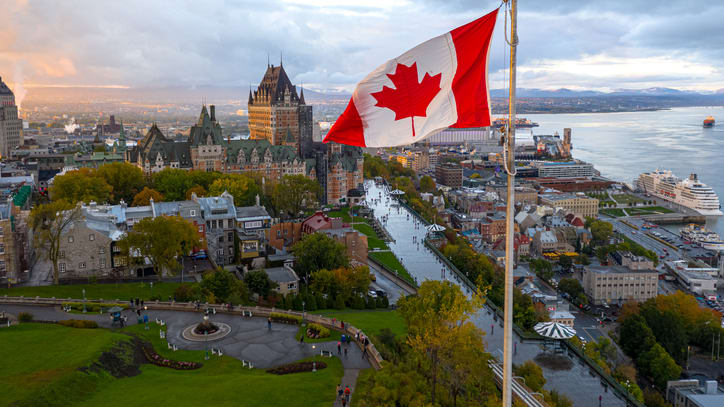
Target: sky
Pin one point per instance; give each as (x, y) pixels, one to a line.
(332, 44)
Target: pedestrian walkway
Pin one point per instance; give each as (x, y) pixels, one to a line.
(349, 379)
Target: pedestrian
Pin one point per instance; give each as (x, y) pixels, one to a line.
(301, 339)
(345, 350)
(339, 347)
(344, 402)
(141, 303)
(364, 352)
(136, 301)
(344, 340)
(367, 341)
(342, 322)
(121, 321)
(339, 391)
(268, 323)
(131, 302)
(347, 392)
(138, 311)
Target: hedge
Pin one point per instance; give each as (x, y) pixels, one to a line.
(286, 318)
(92, 306)
(317, 331)
(25, 317)
(79, 323)
(297, 368)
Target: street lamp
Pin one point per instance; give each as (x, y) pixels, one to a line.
(145, 316)
(206, 339)
(151, 289)
(84, 301)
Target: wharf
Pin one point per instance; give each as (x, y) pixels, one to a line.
(673, 218)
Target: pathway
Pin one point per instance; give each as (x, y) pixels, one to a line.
(575, 381)
(349, 379)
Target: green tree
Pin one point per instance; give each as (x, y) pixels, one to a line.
(49, 223)
(242, 188)
(125, 179)
(635, 335)
(532, 373)
(144, 197)
(295, 193)
(601, 230)
(82, 185)
(565, 262)
(258, 282)
(319, 251)
(652, 398)
(583, 259)
(196, 189)
(161, 240)
(224, 285)
(657, 364)
(324, 281)
(173, 183)
(571, 286)
(427, 184)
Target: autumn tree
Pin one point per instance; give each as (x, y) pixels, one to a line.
(242, 188)
(318, 251)
(144, 197)
(161, 240)
(352, 281)
(196, 189)
(49, 223)
(296, 193)
(125, 179)
(434, 317)
(82, 185)
(427, 184)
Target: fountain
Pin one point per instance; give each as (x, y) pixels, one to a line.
(206, 331)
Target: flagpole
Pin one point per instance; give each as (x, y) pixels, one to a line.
(509, 216)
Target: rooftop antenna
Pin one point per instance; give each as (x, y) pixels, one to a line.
(267, 59)
(281, 63)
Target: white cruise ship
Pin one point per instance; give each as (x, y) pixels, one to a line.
(689, 192)
(703, 237)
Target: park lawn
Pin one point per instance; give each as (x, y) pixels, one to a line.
(392, 262)
(365, 229)
(46, 374)
(627, 199)
(648, 210)
(373, 242)
(36, 356)
(371, 322)
(617, 213)
(333, 336)
(341, 213)
(359, 219)
(121, 291)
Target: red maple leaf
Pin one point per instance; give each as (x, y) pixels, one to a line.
(409, 98)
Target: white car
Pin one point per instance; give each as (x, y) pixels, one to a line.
(372, 294)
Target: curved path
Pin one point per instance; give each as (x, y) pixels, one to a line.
(250, 339)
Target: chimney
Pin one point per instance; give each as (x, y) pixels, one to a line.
(257, 199)
(212, 108)
(710, 387)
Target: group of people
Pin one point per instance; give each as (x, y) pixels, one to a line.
(343, 394)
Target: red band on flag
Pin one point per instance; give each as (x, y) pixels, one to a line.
(348, 128)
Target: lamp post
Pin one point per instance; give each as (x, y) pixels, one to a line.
(145, 316)
(206, 340)
(151, 289)
(314, 363)
(84, 301)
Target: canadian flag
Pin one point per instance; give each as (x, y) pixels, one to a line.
(438, 84)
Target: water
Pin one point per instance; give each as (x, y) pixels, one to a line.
(623, 145)
(573, 379)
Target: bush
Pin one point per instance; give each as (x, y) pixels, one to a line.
(297, 368)
(311, 303)
(79, 323)
(332, 303)
(156, 297)
(371, 303)
(357, 302)
(25, 317)
(339, 302)
(285, 318)
(321, 302)
(317, 331)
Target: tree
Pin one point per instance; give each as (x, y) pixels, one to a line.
(258, 282)
(433, 318)
(295, 193)
(242, 188)
(583, 259)
(601, 230)
(173, 183)
(465, 370)
(125, 179)
(565, 262)
(196, 189)
(533, 375)
(161, 240)
(49, 223)
(635, 336)
(224, 285)
(571, 286)
(652, 398)
(80, 185)
(352, 281)
(657, 364)
(144, 197)
(324, 281)
(319, 251)
(427, 184)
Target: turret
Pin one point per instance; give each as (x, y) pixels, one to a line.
(212, 108)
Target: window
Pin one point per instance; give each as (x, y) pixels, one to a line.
(70, 239)
(201, 229)
(192, 212)
(81, 265)
(231, 237)
(279, 233)
(61, 254)
(92, 237)
(221, 239)
(1, 231)
(61, 267)
(103, 263)
(102, 250)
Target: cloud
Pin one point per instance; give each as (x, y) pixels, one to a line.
(332, 44)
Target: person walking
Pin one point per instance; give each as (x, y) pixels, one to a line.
(347, 392)
(339, 347)
(345, 350)
(268, 323)
(339, 391)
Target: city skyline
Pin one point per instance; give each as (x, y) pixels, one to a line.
(331, 45)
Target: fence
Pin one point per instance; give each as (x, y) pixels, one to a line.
(374, 356)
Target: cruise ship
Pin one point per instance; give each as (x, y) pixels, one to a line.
(690, 192)
(702, 237)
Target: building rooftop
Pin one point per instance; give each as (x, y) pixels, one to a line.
(614, 269)
(281, 274)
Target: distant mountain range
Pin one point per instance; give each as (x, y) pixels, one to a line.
(569, 93)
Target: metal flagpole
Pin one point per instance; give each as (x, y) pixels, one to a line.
(509, 159)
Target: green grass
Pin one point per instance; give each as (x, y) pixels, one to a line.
(389, 260)
(371, 322)
(342, 213)
(648, 210)
(359, 219)
(365, 229)
(333, 336)
(373, 241)
(39, 367)
(627, 199)
(120, 291)
(612, 212)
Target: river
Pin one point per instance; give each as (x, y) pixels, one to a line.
(623, 145)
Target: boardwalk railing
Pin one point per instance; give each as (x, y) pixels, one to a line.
(375, 358)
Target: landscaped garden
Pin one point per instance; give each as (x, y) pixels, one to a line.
(121, 291)
(78, 366)
(616, 213)
(651, 210)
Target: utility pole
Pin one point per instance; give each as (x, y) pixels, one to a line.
(509, 216)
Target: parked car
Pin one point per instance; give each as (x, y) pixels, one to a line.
(372, 294)
(381, 293)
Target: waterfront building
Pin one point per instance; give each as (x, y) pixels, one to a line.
(619, 284)
(578, 184)
(578, 204)
(11, 127)
(450, 175)
(567, 169)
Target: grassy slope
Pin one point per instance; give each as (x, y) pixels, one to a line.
(221, 381)
(371, 322)
(34, 356)
(121, 291)
(389, 260)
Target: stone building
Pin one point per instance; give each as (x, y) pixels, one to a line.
(578, 204)
(84, 251)
(618, 284)
(271, 161)
(219, 213)
(207, 147)
(156, 152)
(277, 113)
(450, 175)
(11, 127)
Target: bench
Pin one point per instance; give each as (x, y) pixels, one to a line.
(246, 313)
(325, 353)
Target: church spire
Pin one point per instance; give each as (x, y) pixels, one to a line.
(301, 96)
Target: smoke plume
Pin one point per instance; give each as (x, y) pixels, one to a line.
(71, 126)
(19, 90)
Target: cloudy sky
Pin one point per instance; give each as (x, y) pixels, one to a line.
(331, 44)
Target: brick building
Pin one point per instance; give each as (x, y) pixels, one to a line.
(450, 175)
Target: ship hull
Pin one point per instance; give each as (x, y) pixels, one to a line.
(710, 212)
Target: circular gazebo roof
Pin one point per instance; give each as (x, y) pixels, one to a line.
(554, 330)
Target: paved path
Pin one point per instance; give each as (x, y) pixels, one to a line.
(250, 339)
(349, 379)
